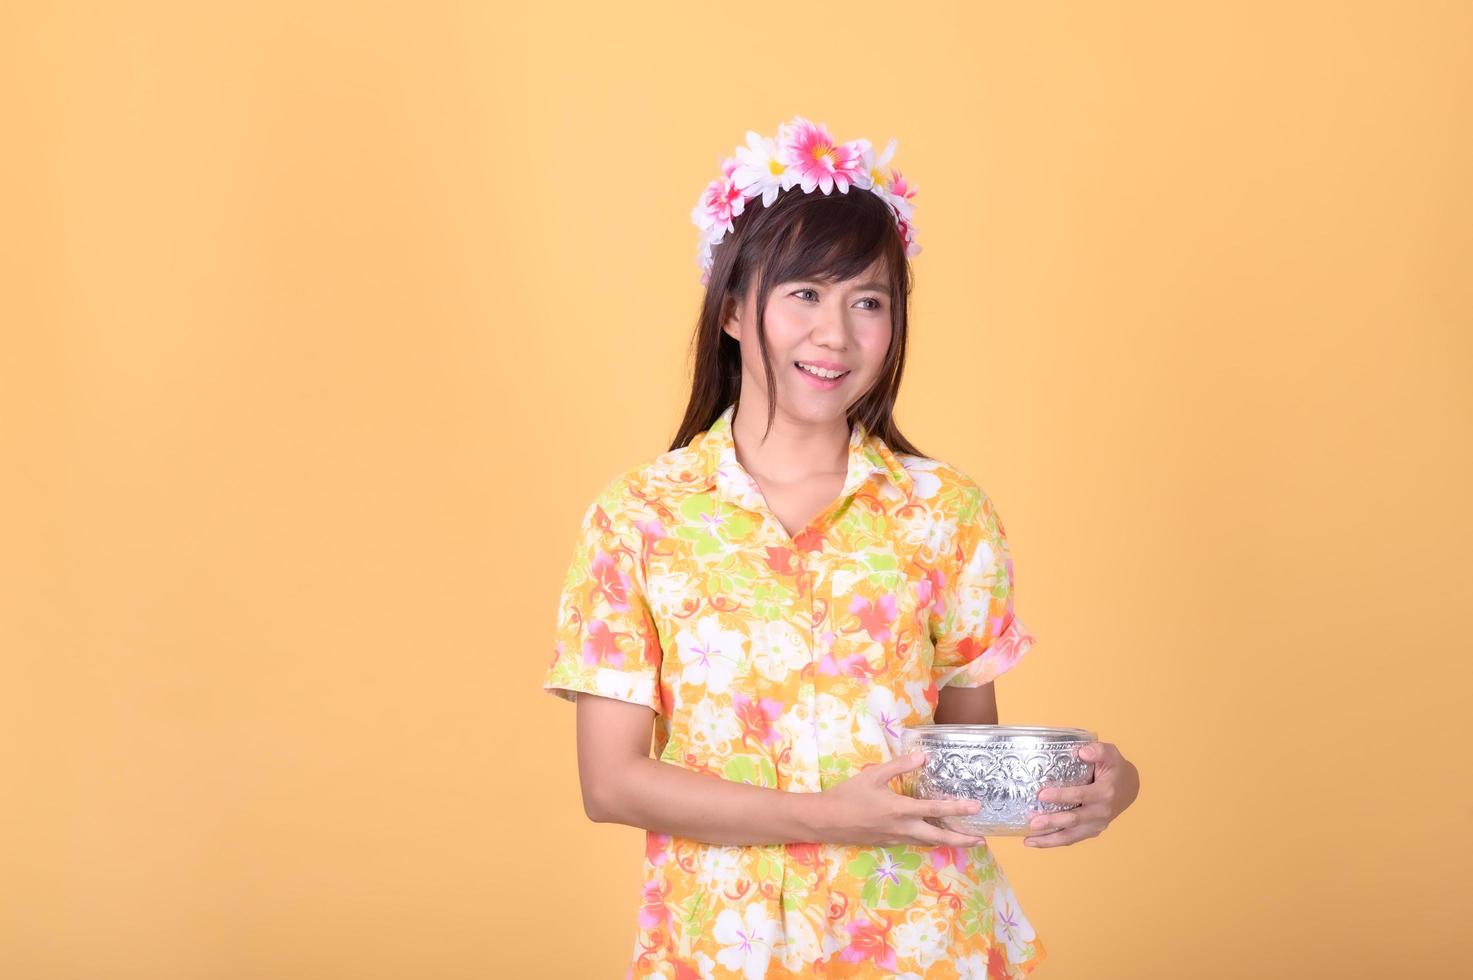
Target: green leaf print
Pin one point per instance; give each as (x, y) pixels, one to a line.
(738, 527)
(702, 527)
(795, 895)
(888, 874)
(741, 769)
(976, 915)
(899, 894)
(697, 914)
(881, 562)
(771, 601)
(886, 581)
(833, 765)
(696, 510)
(885, 572)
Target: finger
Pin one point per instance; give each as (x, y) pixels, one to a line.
(952, 839)
(1077, 795)
(1068, 835)
(941, 837)
(1064, 820)
(1056, 839)
(946, 808)
(890, 768)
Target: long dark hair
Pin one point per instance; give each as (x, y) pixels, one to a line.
(817, 236)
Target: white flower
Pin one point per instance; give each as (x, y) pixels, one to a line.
(778, 649)
(882, 719)
(925, 483)
(1010, 926)
(916, 691)
(972, 967)
(922, 938)
(719, 868)
(974, 604)
(981, 560)
(760, 169)
(710, 655)
(881, 179)
(746, 940)
(713, 725)
(666, 591)
(835, 723)
(939, 532)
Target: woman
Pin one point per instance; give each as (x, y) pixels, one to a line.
(780, 594)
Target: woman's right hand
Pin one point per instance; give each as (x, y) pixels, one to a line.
(865, 810)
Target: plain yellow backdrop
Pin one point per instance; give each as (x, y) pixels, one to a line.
(323, 322)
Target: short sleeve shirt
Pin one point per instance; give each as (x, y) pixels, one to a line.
(794, 662)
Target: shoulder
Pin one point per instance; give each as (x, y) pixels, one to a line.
(641, 491)
(944, 487)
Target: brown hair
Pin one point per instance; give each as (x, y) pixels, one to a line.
(823, 237)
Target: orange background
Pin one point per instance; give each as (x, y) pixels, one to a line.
(324, 322)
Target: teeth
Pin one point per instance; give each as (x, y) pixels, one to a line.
(820, 372)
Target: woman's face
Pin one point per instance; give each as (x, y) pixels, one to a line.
(843, 326)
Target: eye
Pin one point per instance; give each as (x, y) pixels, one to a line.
(868, 299)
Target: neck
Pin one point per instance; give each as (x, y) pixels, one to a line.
(795, 449)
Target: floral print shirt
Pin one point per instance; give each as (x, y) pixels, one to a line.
(793, 662)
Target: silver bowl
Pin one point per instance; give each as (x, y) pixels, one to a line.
(1000, 766)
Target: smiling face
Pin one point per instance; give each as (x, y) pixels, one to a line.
(843, 326)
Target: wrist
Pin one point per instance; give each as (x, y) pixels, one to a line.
(805, 816)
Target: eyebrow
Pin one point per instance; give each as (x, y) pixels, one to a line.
(875, 284)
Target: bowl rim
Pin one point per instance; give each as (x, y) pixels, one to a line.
(1030, 734)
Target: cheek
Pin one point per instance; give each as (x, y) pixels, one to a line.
(875, 349)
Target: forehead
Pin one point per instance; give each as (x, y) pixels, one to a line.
(876, 276)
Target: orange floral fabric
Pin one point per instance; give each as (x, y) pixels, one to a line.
(793, 662)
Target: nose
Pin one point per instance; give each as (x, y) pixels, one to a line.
(831, 329)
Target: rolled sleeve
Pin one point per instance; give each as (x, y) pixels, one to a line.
(606, 642)
(975, 634)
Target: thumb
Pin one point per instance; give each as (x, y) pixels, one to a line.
(1095, 754)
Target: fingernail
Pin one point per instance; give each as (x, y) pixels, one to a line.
(1031, 842)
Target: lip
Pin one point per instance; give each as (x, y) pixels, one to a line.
(822, 384)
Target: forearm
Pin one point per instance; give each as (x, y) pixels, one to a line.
(966, 705)
(665, 798)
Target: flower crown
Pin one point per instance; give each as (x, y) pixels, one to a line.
(804, 155)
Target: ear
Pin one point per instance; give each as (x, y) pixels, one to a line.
(731, 323)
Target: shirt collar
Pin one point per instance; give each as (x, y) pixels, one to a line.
(718, 465)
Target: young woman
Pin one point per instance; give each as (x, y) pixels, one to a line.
(780, 594)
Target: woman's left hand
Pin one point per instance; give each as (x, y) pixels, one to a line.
(1115, 787)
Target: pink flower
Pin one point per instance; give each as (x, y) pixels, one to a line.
(600, 645)
(813, 160)
(720, 202)
(876, 618)
(654, 913)
(942, 855)
(870, 941)
(757, 716)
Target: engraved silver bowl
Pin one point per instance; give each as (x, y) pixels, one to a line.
(1000, 766)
